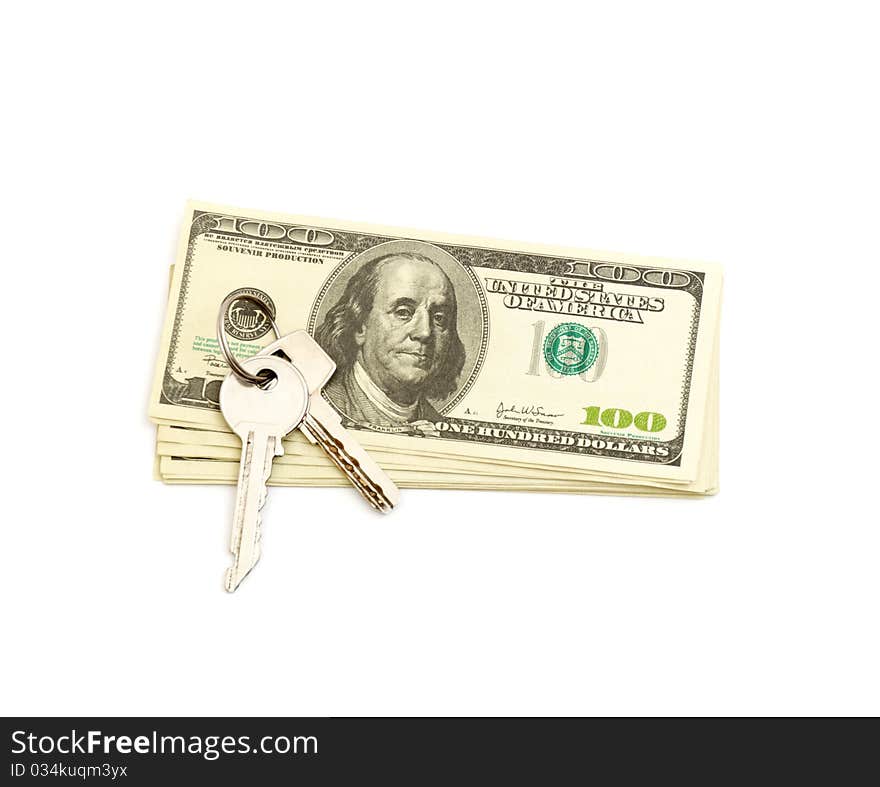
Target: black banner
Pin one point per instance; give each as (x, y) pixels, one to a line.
(167, 751)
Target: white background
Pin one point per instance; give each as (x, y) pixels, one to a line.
(740, 133)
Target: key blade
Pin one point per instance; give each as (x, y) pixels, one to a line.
(257, 454)
(324, 426)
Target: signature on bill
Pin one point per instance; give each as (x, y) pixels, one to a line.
(535, 410)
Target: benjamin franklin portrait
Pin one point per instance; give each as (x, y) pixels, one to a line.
(395, 336)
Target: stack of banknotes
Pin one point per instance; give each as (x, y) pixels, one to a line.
(462, 363)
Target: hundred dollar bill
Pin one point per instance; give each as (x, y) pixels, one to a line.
(456, 346)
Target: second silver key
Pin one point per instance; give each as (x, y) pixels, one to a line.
(323, 426)
(261, 417)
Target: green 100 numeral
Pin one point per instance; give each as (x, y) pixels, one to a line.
(615, 418)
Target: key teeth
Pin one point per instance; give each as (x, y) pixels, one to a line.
(371, 491)
(349, 464)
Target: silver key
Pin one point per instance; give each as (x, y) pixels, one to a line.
(323, 426)
(261, 417)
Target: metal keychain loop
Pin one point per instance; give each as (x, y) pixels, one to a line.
(240, 372)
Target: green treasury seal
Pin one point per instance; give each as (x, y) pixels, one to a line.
(570, 348)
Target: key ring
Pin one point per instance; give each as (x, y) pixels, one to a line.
(240, 372)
